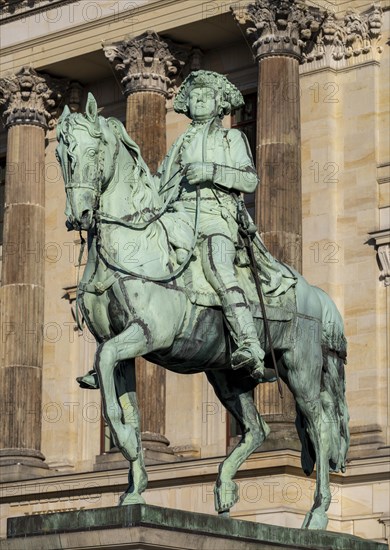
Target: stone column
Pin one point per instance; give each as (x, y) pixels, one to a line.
(27, 100)
(148, 66)
(278, 31)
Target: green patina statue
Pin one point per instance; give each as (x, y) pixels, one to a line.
(219, 161)
(173, 274)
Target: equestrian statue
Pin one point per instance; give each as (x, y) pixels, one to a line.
(177, 273)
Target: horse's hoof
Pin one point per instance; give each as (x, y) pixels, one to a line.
(315, 520)
(225, 496)
(131, 498)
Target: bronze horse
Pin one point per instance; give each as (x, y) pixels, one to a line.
(134, 301)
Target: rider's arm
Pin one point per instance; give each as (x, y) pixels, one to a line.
(241, 174)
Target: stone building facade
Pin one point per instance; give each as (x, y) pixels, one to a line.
(316, 83)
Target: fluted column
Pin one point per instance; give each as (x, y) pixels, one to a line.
(27, 100)
(148, 65)
(278, 31)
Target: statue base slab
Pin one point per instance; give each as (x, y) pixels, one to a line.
(143, 527)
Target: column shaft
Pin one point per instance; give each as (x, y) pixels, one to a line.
(145, 123)
(279, 204)
(22, 300)
(148, 82)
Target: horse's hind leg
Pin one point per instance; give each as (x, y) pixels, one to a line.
(125, 384)
(304, 371)
(235, 393)
(317, 429)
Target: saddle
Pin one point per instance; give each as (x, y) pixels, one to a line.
(280, 304)
(278, 280)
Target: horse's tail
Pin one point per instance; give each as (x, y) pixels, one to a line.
(334, 413)
(333, 399)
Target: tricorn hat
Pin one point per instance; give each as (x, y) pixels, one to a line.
(230, 97)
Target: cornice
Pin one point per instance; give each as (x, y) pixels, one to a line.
(118, 28)
(13, 10)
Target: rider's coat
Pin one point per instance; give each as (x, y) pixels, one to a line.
(229, 172)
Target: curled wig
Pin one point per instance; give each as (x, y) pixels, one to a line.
(230, 97)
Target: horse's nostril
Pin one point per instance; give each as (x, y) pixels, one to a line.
(85, 215)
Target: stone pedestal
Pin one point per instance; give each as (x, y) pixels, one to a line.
(141, 527)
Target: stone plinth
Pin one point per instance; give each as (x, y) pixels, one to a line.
(142, 527)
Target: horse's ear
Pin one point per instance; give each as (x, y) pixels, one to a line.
(91, 109)
(65, 113)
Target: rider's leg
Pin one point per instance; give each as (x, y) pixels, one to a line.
(218, 254)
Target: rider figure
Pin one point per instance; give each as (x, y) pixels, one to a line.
(219, 161)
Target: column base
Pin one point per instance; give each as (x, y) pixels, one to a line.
(367, 441)
(155, 447)
(283, 436)
(22, 464)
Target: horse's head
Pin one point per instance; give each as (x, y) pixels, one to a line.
(87, 150)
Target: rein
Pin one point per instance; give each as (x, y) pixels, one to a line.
(176, 272)
(248, 232)
(104, 217)
(77, 312)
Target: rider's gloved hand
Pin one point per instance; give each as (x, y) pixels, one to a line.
(199, 172)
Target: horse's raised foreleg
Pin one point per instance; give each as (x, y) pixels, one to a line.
(120, 348)
(235, 393)
(125, 383)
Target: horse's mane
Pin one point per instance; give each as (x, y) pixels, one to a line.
(144, 192)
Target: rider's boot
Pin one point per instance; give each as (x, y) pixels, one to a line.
(89, 381)
(249, 354)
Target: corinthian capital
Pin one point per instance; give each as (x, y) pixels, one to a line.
(147, 63)
(29, 98)
(278, 27)
(290, 27)
(349, 38)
